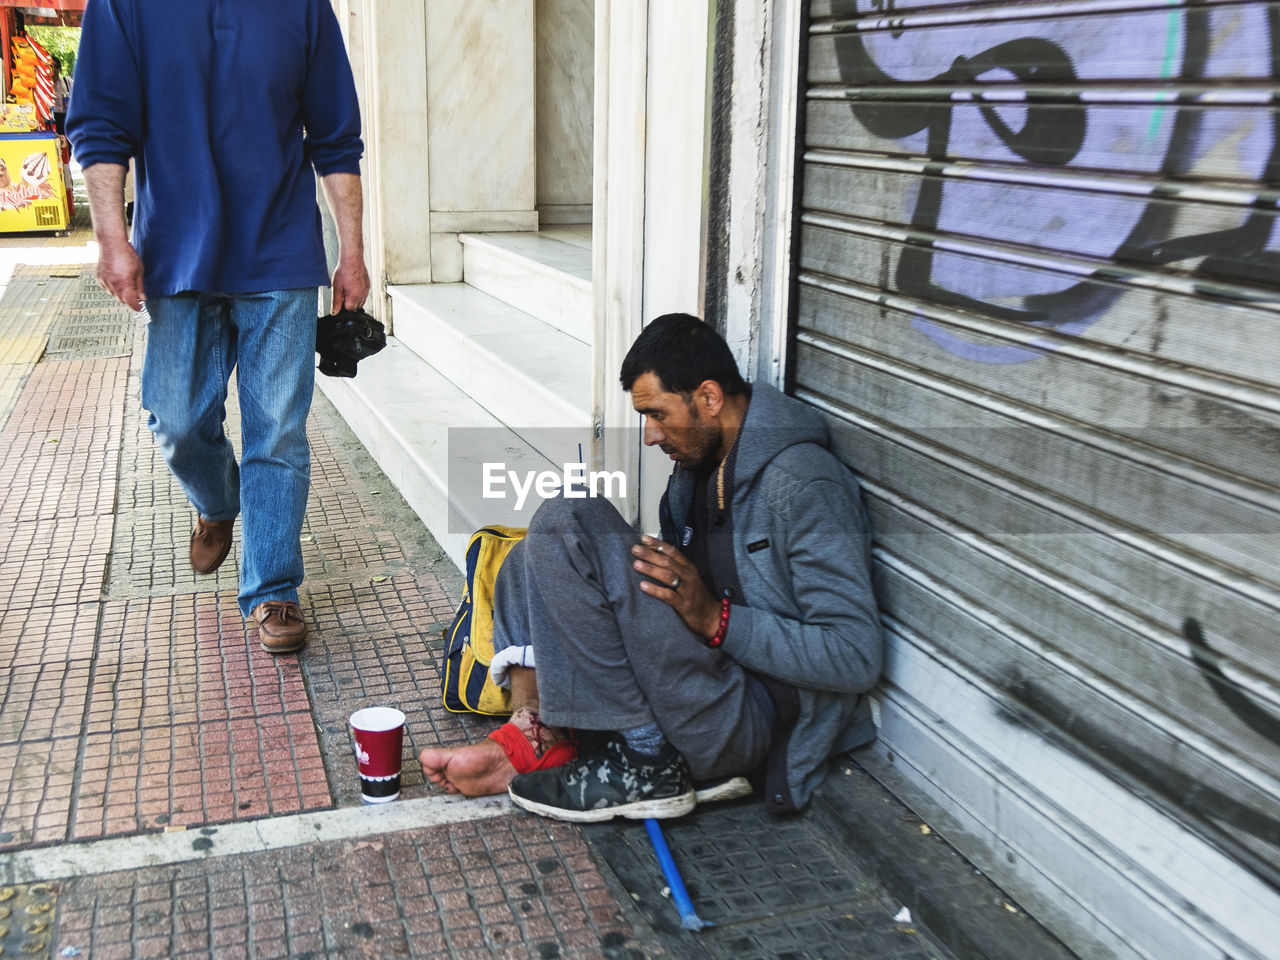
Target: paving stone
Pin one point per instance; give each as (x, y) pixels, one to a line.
(145, 480)
(377, 644)
(82, 271)
(186, 658)
(150, 555)
(37, 635)
(48, 562)
(200, 773)
(37, 790)
(188, 721)
(43, 701)
(404, 894)
(32, 301)
(25, 348)
(59, 449)
(13, 377)
(47, 478)
(81, 394)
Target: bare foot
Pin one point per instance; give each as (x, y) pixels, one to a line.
(484, 768)
(474, 770)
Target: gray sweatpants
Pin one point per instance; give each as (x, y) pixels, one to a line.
(610, 657)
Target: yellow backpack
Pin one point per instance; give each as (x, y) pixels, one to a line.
(468, 643)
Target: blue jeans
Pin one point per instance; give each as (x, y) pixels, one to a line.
(194, 341)
(610, 657)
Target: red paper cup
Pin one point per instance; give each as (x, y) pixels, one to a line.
(379, 737)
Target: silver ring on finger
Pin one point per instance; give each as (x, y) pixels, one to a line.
(675, 583)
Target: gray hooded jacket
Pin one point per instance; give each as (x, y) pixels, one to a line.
(802, 549)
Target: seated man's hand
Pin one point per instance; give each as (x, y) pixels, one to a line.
(676, 582)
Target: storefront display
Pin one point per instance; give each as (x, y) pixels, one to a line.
(34, 185)
(33, 191)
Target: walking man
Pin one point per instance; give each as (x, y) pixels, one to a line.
(227, 107)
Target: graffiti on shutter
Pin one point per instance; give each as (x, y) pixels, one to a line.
(1039, 301)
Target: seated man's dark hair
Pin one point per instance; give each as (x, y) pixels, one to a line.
(682, 351)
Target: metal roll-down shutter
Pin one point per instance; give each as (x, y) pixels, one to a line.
(1038, 301)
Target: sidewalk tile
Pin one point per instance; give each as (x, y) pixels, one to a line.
(145, 480)
(74, 395)
(36, 792)
(198, 773)
(412, 894)
(36, 635)
(13, 378)
(24, 348)
(48, 562)
(150, 549)
(186, 659)
(332, 468)
(151, 555)
(45, 478)
(189, 721)
(339, 537)
(379, 644)
(43, 701)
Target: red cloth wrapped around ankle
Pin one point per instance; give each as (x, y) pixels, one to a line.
(520, 751)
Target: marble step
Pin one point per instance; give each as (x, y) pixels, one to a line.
(579, 234)
(433, 442)
(533, 377)
(543, 274)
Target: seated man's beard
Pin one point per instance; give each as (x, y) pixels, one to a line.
(704, 442)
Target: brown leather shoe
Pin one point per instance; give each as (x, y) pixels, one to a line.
(281, 626)
(210, 544)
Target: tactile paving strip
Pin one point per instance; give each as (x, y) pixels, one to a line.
(27, 920)
(744, 870)
(508, 888)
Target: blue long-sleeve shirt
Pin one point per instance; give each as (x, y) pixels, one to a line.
(227, 106)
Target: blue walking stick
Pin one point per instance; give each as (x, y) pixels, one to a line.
(689, 918)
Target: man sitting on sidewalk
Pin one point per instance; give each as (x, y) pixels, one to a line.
(741, 642)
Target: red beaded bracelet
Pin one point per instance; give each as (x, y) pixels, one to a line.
(721, 630)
